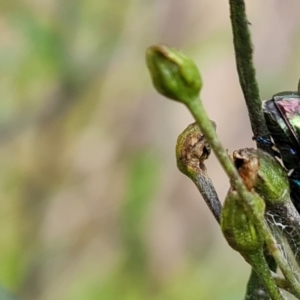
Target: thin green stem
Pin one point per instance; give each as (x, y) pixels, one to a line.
(244, 61)
(259, 263)
(199, 113)
(282, 283)
(255, 288)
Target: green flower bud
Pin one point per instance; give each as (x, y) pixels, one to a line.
(263, 173)
(238, 229)
(242, 235)
(174, 75)
(272, 181)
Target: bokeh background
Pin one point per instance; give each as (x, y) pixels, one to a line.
(92, 204)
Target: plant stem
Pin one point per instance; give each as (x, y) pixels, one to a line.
(209, 194)
(196, 108)
(255, 288)
(260, 266)
(199, 113)
(243, 54)
(282, 283)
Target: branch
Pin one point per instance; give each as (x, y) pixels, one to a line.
(246, 71)
(176, 76)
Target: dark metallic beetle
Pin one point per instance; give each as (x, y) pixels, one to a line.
(282, 116)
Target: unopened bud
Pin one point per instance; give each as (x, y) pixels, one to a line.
(238, 229)
(173, 74)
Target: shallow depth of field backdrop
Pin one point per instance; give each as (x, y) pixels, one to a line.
(92, 204)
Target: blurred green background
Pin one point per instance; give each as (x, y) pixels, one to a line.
(92, 205)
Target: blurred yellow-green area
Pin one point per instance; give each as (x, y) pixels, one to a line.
(92, 205)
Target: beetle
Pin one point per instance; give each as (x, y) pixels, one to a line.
(282, 117)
